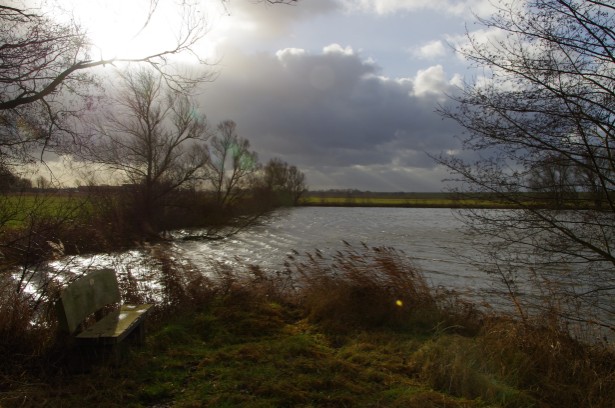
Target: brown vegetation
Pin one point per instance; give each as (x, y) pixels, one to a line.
(359, 328)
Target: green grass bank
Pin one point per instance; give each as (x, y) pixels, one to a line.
(445, 200)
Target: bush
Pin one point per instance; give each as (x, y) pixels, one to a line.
(541, 356)
(25, 330)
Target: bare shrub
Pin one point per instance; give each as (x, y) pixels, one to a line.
(25, 331)
(458, 315)
(454, 364)
(517, 363)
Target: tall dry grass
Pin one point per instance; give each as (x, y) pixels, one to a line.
(472, 354)
(459, 350)
(363, 287)
(26, 331)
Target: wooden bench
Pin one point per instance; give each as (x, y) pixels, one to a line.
(90, 295)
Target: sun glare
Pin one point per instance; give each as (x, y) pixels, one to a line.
(128, 29)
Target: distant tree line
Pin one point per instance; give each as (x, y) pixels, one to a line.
(10, 182)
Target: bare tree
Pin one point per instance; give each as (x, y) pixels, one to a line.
(11, 182)
(554, 179)
(543, 120)
(154, 138)
(45, 74)
(46, 64)
(232, 165)
(282, 179)
(295, 184)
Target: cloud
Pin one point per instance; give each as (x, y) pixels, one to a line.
(334, 115)
(432, 81)
(455, 7)
(263, 20)
(483, 37)
(495, 43)
(431, 50)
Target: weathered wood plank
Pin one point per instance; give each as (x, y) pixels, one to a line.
(85, 296)
(114, 327)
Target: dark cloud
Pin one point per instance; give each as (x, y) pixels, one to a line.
(334, 116)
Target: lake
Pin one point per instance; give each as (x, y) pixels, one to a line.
(432, 238)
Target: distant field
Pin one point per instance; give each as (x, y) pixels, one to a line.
(418, 200)
(438, 200)
(17, 209)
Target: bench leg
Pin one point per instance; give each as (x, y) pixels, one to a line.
(137, 336)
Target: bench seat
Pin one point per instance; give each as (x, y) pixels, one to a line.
(116, 326)
(93, 295)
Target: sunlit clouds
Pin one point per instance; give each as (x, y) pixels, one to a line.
(121, 29)
(458, 7)
(431, 50)
(347, 90)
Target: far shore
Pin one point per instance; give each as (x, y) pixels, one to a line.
(355, 198)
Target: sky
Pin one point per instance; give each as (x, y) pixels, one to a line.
(346, 90)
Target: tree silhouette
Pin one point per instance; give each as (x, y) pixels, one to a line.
(542, 121)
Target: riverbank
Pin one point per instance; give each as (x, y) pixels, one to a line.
(443, 200)
(325, 332)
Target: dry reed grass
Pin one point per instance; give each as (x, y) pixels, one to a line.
(361, 288)
(541, 355)
(460, 351)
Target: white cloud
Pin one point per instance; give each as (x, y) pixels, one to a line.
(456, 7)
(431, 81)
(338, 49)
(431, 50)
(480, 37)
(286, 53)
(457, 81)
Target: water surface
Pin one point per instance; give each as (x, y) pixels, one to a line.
(433, 238)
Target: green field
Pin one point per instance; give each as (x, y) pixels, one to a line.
(17, 210)
(417, 200)
(441, 200)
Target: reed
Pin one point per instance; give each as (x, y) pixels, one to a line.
(362, 287)
(361, 327)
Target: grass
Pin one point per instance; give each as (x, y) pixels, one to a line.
(416, 200)
(35, 227)
(441, 200)
(360, 328)
(16, 209)
(210, 360)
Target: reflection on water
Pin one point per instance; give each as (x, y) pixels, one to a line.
(433, 238)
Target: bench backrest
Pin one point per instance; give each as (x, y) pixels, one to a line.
(85, 296)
